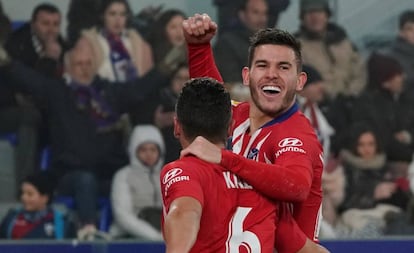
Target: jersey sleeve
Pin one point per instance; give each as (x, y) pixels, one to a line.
(288, 182)
(180, 181)
(289, 237)
(201, 62)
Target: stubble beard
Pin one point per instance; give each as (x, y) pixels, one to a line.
(278, 110)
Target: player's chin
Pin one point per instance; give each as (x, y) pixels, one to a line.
(271, 109)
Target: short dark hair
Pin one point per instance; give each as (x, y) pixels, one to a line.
(275, 36)
(204, 109)
(46, 7)
(405, 17)
(44, 182)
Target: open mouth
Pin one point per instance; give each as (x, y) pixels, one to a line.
(271, 90)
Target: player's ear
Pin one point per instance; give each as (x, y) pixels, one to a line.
(302, 78)
(246, 76)
(177, 128)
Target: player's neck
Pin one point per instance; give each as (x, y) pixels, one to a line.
(257, 119)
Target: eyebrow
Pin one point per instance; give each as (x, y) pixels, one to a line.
(278, 63)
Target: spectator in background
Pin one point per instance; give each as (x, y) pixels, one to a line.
(370, 191)
(403, 46)
(20, 120)
(227, 12)
(388, 107)
(87, 139)
(82, 14)
(136, 189)
(38, 44)
(121, 53)
(230, 48)
(165, 112)
(309, 98)
(167, 40)
(333, 179)
(167, 34)
(159, 110)
(327, 48)
(36, 219)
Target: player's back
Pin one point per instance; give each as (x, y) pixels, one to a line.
(234, 217)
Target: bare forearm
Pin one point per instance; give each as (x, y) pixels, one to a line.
(180, 230)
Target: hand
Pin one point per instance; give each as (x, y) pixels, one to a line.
(403, 137)
(204, 150)
(384, 190)
(199, 29)
(52, 49)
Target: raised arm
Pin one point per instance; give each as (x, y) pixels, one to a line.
(182, 224)
(198, 32)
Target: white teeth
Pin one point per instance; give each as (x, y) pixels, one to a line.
(271, 89)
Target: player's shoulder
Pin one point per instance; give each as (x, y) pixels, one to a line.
(298, 124)
(240, 106)
(240, 111)
(187, 163)
(296, 130)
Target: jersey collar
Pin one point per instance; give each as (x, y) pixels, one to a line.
(284, 116)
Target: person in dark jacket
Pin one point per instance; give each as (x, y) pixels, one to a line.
(230, 48)
(402, 47)
(38, 44)
(227, 12)
(86, 133)
(388, 106)
(18, 124)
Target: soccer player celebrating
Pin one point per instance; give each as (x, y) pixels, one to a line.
(275, 148)
(206, 208)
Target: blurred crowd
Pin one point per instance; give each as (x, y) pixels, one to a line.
(91, 115)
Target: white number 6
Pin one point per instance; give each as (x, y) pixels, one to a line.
(237, 237)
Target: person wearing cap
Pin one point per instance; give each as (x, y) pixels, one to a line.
(388, 106)
(327, 48)
(36, 218)
(309, 98)
(333, 177)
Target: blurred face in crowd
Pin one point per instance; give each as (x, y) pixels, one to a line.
(313, 92)
(273, 79)
(179, 79)
(255, 15)
(174, 30)
(367, 146)
(407, 32)
(115, 18)
(46, 25)
(80, 65)
(148, 153)
(31, 198)
(315, 20)
(395, 84)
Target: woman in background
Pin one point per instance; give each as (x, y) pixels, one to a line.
(120, 52)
